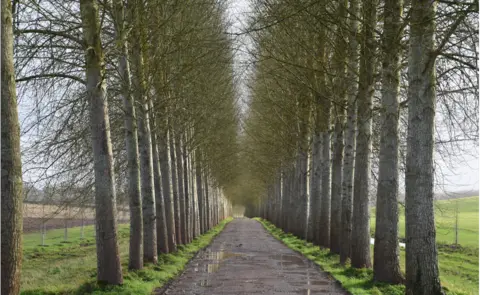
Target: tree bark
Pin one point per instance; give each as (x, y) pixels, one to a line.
(181, 188)
(278, 185)
(324, 227)
(207, 202)
(386, 261)
(144, 137)
(285, 199)
(131, 141)
(338, 145)
(195, 213)
(109, 268)
(422, 275)
(361, 214)
(188, 199)
(165, 171)
(315, 186)
(161, 221)
(12, 185)
(350, 140)
(176, 200)
(201, 203)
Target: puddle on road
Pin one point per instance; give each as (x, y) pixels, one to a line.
(220, 255)
(312, 292)
(204, 283)
(304, 284)
(299, 270)
(216, 258)
(312, 283)
(312, 287)
(289, 260)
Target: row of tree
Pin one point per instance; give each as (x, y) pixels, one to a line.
(156, 82)
(344, 91)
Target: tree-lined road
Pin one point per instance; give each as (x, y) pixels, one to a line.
(245, 259)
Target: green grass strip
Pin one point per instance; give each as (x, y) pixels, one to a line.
(356, 281)
(58, 268)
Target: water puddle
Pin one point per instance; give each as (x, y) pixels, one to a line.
(312, 283)
(204, 283)
(311, 287)
(215, 258)
(311, 292)
(288, 260)
(220, 255)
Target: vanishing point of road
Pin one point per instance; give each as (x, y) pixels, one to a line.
(245, 259)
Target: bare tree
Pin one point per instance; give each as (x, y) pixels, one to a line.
(386, 262)
(109, 269)
(131, 140)
(339, 111)
(422, 275)
(360, 253)
(12, 185)
(348, 160)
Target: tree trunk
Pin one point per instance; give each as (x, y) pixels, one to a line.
(285, 200)
(201, 203)
(339, 109)
(361, 214)
(422, 275)
(12, 185)
(336, 189)
(278, 184)
(144, 139)
(317, 184)
(291, 200)
(303, 208)
(109, 268)
(165, 171)
(181, 188)
(324, 227)
(188, 202)
(207, 202)
(349, 150)
(195, 213)
(135, 260)
(161, 221)
(386, 262)
(176, 200)
(295, 201)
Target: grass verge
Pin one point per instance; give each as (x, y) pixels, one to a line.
(451, 216)
(70, 267)
(458, 268)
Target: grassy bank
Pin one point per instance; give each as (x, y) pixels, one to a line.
(70, 267)
(458, 267)
(445, 220)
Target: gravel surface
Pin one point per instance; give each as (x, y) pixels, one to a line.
(245, 259)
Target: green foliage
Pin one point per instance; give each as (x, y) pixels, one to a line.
(458, 267)
(71, 268)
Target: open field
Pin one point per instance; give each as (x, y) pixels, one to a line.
(458, 267)
(445, 211)
(31, 225)
(70, 267)
(53, 216)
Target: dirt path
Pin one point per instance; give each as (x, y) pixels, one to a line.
(246, 259)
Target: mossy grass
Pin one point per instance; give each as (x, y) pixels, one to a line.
(458, 267)
(70, 268)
